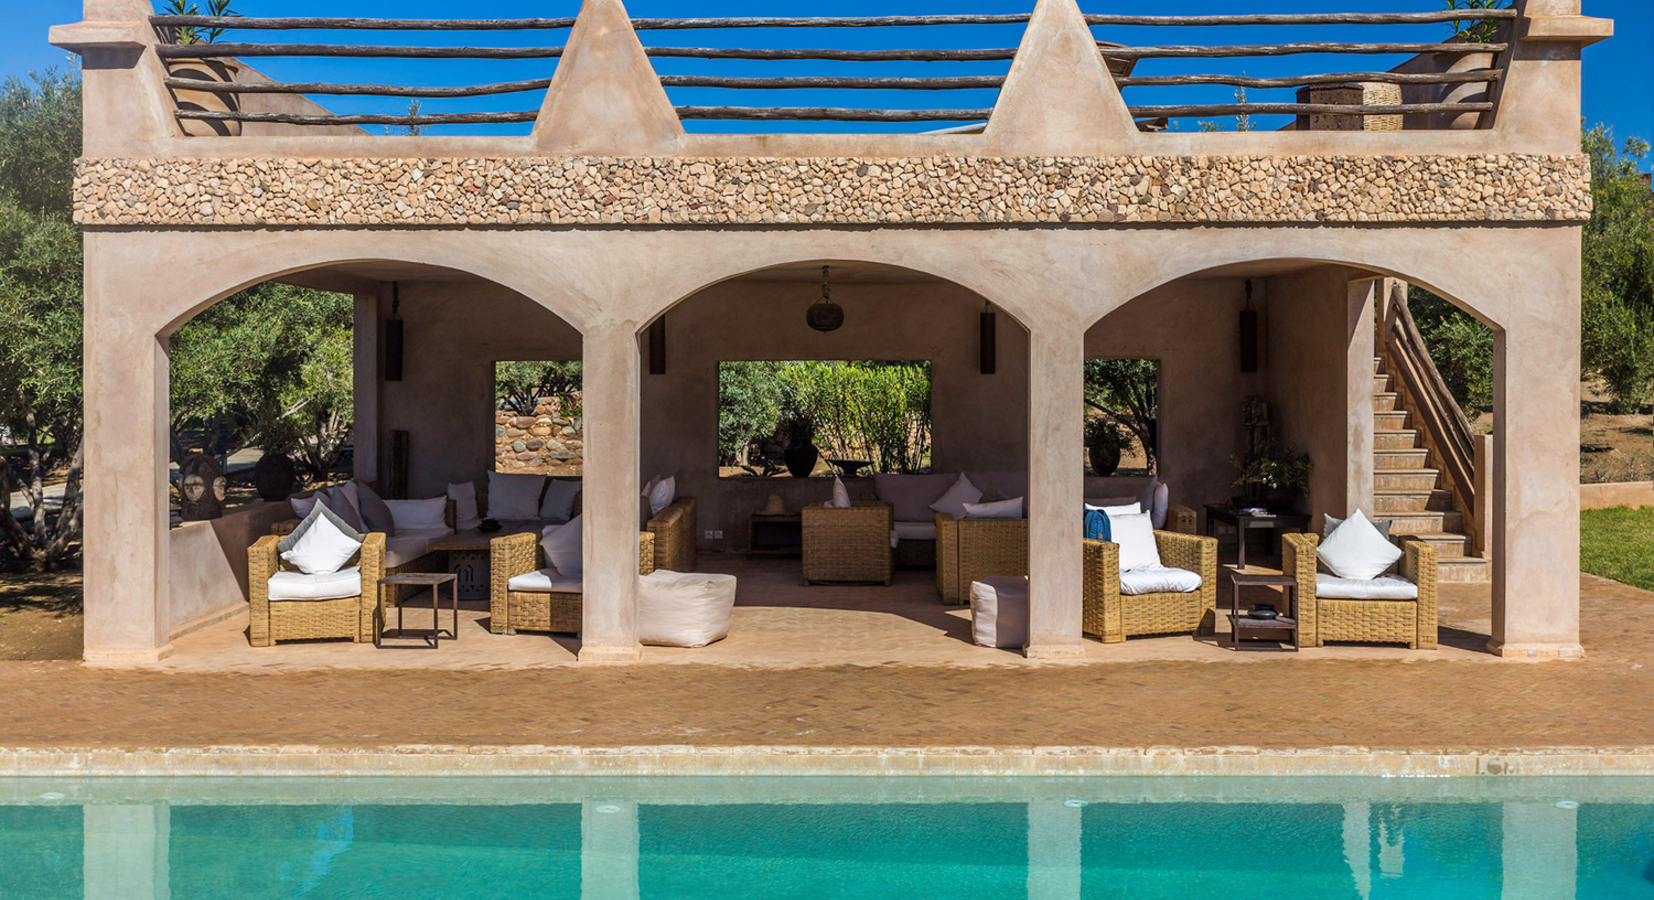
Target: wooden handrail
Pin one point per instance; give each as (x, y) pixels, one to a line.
(1438, 412)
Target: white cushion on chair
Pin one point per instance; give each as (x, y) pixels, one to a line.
(563, 545)
(841, 495)
(916, 531)
(545, 581)
(683, 609)
(1384, 587)
(1356, 549)
(956, 497)
(1134, 532)
(406, 546)
(321, 545)
(338, 585)
(999, 611)
(661, 493)
(997, 509)
(1158, 580)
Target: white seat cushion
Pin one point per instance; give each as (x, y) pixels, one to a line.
(410, 544)
(346, 582)
(999, 611)
(683, 609)
(1384, 587)
(916, 531)
(545, 581)
(1158, 580)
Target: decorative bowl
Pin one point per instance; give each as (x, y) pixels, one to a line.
(489, 526)
(1263, 611)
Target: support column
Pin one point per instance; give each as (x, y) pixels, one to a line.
(1054, 842)
(608, 851)
(125, 529)
(1358, 386)
(366, 373)
(1535, 509)
(125, 852)
(610, 489)
(1056, 488)
(1540, 849)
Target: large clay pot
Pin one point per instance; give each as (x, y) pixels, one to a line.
(800, 459)
(219, 70)
(1104, 462)
(274, 477)
(1280, 499)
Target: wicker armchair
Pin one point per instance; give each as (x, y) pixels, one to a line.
(674, 531)
(1322, 619)
(849, 545)
(967, 550)
(512, 611)
(1111, 616)
(304, 620)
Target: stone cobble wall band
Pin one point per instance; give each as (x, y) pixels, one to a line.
(602, 191)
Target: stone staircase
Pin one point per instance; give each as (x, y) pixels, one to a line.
(1413, 497)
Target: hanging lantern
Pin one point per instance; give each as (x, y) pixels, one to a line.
(825, 315)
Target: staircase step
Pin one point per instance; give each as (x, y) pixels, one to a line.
(1381, 383)
(1425, 522)
(1395, 439)
(1463, 570)
(1378, 364)
(1393, 420)
(1385, 401)
(1448, 546)
(1401, 458)
(1401, 502)
(1405, 479)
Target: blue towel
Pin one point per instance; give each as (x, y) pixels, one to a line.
(1097, 526)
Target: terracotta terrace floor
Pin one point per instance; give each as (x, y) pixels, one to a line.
(859, 667)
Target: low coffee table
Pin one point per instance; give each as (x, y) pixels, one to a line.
(432, 580)
(1245, 630)
(1273, 523)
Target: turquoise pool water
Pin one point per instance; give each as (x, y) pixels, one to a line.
(410, 839)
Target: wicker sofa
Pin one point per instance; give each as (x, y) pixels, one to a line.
(848, 545)
(1112, 616)
(302, 620)
(674, 529)
(1322, 619)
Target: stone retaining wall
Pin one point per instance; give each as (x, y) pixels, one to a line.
(546, 443)
(831, 191)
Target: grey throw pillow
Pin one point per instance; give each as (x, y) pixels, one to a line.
(375, 513)
(316, 512)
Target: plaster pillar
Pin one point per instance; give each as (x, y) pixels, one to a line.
(1054, 842)
(366, 375)
(1358, 385)
(1056, 487)
(126, 550)
(608, 851)
(610, 484)
(124, 853)
(1540, 850)
(1535, 508)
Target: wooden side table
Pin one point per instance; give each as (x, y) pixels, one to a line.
(775, 535)
(1271, 523)
(1246, 630)
(432, 580)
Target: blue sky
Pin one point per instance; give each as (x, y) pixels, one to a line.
(1619, 74)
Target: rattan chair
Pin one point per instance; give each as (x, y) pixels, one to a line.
(512, 611)
(850, 545)
(674, 531)
(968, 550)
(1322, 619)
(306, 620)
(1111, 616)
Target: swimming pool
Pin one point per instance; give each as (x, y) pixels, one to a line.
(456, 839)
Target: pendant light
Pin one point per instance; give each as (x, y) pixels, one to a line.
(825, 315)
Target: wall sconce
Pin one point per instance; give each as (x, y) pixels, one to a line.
(393, 336)
(1248, 333)
(988, 346)
(657, 346)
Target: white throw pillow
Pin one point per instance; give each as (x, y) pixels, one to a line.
(412, 515)
(563, 545)
(1162, 505)
(1134, 533)
(1356, 549)
(514, 497)
(466, 516)
(323, 547)
(558, 504)
(1124, 509)
(662, 494)
(998, 509)
(953, 500)
(841, 495)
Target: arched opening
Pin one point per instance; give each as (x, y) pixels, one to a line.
(923, 384)
(1288, 394)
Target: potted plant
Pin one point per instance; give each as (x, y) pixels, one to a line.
(1276, 474)
(800, 454)
(1105, 441)
(213, 69)
(1467, 31)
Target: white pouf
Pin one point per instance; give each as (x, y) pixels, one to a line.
(999, 611)
(683, 609)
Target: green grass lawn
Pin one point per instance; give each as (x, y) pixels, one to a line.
(1618, 544)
